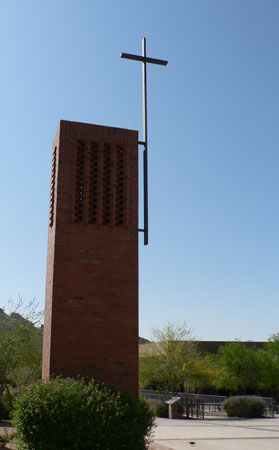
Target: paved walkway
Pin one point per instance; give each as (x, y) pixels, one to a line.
(216, 434)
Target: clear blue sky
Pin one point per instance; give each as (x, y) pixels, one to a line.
(213, 258)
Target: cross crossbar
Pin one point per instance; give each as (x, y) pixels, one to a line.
(144, 59)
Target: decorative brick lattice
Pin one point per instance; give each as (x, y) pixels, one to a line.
(120, 185)
(101, 184)
(80, 181)
(107, 191)
(52, 186)
(93, 185)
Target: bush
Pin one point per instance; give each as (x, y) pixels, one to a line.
(159, 408)
(3, 411)
(80, 415)
(6, 405)
(244, 406)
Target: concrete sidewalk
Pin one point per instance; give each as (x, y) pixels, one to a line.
(216, 434)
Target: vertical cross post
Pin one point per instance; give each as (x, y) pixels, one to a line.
(144, 59)
(145, 149)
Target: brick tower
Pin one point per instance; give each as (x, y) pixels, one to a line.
(91, 309)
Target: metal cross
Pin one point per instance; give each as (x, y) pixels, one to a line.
(144, 59)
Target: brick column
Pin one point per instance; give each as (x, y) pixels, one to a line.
(91, 309)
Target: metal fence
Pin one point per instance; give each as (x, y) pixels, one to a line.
(160, 395)
(192, 408)
(201, 405)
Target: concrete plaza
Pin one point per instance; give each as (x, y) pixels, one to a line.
(216, 434)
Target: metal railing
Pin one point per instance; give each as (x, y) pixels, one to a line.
(192, 408)
(201, 405)
(160, 395)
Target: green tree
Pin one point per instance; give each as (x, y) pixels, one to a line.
(20, 355)
(270, 358)
(20, 350)
(239, 367)
(172, 360)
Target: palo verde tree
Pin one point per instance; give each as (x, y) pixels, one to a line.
(171, 360)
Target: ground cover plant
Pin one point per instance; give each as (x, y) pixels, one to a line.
(80, 415)
(244, 406)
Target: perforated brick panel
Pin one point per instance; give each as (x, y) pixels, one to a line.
(91, 312)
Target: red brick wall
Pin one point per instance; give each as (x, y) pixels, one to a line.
(91, 312)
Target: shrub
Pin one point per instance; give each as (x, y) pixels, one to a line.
(80, 415)
(159, 408)
(3, 412)
(6, 405)
(244, 406)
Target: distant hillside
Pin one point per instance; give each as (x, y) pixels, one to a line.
(213, 346)
(13, 320)
(143, 341)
